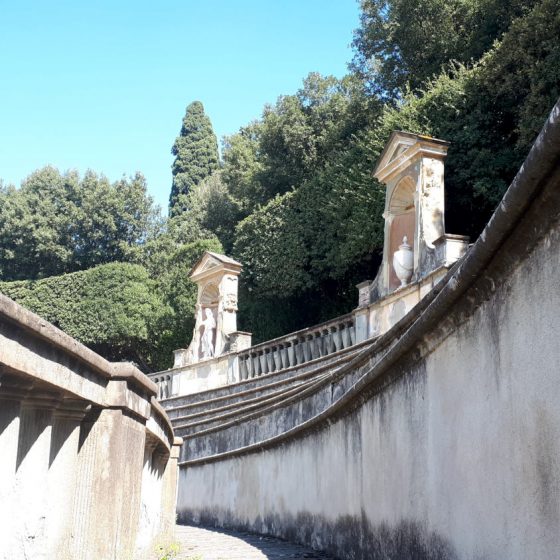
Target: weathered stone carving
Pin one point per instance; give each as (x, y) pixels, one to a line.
(208, 332)
(230, 302)
(216, 308)
(412, 169)
(403, 262)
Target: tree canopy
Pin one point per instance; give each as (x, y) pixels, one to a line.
(196, 155)
(294, 199)
(61, 222)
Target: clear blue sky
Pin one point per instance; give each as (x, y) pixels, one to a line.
(104, 84)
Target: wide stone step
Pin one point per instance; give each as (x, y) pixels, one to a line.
(230, 411)
(241, 392)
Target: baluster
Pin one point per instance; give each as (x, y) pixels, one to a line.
(281, 356)
(300, 351)
(291, 351)
(249, 366)
(352, 333)
(256, 365)
(262, 361)
(306, 347)
(331, 346)
(345, 336)
(242, 368)
(277, 357)
(269, 360)
(325, 341)
(318, 344)
(338, 337)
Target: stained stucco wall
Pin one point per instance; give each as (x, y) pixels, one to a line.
(458, 458)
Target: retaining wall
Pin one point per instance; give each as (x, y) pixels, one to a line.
(447, 445)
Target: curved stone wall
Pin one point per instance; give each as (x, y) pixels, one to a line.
(88, 458)
(441, 444)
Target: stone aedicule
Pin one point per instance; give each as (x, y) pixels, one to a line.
(216, 309)
(412, 169)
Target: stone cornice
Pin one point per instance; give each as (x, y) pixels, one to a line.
(423, 147)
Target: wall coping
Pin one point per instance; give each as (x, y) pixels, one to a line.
(39, 327)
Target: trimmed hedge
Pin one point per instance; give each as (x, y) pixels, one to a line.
(110, 308)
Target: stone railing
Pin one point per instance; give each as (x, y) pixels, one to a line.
(88, 461)
(368, 321)
(164, 384)
(298, 347)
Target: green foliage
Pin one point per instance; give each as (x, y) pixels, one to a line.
(294, 139)
(404, 43)
(196, 155)
(242, 168)
(319, 239)
(209, 212)
(110, 308)
(58, 223)
(139, 313)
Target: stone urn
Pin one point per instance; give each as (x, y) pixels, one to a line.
(403, 262)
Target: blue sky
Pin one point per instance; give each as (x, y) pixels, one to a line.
(104, 84)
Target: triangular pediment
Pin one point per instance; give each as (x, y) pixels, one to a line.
(206, 264)
(401, 147)
(210, 262)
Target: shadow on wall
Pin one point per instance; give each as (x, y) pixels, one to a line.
(348, 536)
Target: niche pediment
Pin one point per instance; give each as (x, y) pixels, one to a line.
(402, 150)
(213, 263)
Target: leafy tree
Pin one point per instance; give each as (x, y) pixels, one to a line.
(196, 155)
(242, 168)
(58, 223)
(404, 43)
(294, 139)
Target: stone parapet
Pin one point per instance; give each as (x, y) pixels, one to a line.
(76, 434)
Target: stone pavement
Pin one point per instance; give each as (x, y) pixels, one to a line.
(199, 543)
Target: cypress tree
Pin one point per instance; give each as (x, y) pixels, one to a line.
(196, 154)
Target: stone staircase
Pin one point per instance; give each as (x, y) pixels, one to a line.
(242, 414)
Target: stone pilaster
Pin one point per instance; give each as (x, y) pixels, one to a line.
(107, 506)
(13, 390)
(62, 481)
(169, 488)
(32, 466)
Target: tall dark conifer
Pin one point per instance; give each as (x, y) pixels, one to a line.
(196, 154)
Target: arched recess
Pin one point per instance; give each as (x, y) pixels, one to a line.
(402, 214)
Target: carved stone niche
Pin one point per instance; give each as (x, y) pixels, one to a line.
(216, 308)
(411, 167)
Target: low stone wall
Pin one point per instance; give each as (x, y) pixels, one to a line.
(88, 463)
(446, 445)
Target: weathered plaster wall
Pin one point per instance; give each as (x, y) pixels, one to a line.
(449, 446)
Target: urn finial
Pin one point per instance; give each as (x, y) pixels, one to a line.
(403, 262)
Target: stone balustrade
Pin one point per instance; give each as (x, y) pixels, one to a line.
(88, 463)
(297, 348)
